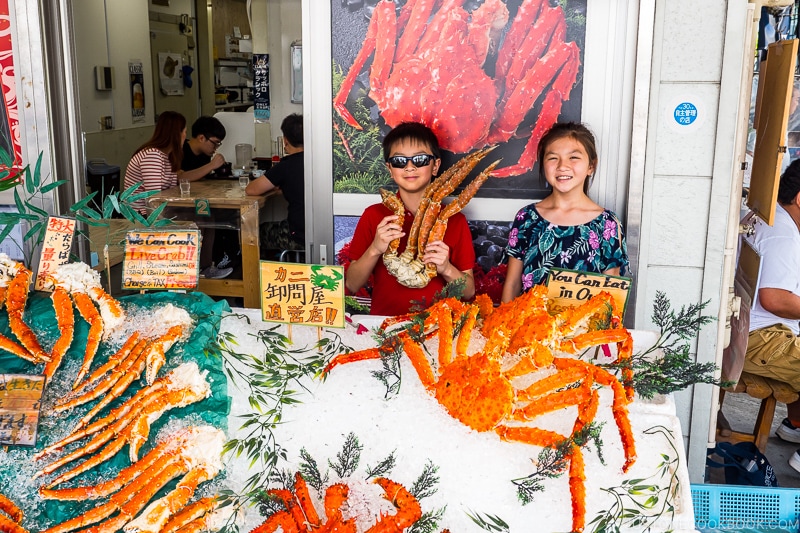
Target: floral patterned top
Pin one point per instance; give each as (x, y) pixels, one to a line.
(596, 246)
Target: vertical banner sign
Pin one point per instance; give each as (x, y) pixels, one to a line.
(136, 74)
(261, 87)
(306, 295)
(20, 399)
(55, 248)
(161, 260)
(9, 114)
(570, 288)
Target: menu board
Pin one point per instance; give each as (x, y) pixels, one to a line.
(570, 288)
(308, 295)
(55, 248)
(161, 259)
(261, 102)
(20, 399)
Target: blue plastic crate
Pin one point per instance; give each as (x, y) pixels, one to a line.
(739, 508)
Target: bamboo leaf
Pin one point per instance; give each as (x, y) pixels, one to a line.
(18, 201)
(50, 186)
(31, 232)
(83, 203)
(37, 210)
(37, 172)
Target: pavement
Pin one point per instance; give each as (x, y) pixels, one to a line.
(741, 410)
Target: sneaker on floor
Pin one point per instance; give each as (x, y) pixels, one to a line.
(213, 272)
(225, 262)
(794, 460)
(788, 432)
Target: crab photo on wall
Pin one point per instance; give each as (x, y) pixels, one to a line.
(478, 72)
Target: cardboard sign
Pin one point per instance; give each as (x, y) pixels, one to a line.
(307, 295)
(20, 399)
(570, 288)
(55, 248)
(161, 259)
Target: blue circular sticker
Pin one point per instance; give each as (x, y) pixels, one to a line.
(685, 113)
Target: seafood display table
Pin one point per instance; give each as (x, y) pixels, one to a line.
(226, 194)
(474, 470)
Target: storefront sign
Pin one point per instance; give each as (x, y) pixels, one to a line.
(20, 399)
(167, 259)
(261, 87)
(570, 288)
(55, 248)
(308, 295)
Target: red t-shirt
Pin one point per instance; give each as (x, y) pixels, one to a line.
(388, 296)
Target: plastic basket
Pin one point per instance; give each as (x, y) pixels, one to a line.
(735, 507)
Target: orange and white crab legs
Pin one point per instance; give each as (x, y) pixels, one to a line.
(10, 523)
(192, 452)
(201, 515)
(16, 299)
(130, 423)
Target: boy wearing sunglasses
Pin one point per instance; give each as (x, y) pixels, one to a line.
(412, 156)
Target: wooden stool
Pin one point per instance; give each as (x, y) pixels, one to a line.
(769, 391)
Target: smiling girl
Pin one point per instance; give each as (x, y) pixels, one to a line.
(566, 229)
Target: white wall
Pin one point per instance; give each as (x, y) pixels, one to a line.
(687, 177)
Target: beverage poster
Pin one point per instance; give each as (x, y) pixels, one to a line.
(261, 87)
(136, 74)
(499, 72)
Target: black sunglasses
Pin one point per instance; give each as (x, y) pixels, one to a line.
(419, 160)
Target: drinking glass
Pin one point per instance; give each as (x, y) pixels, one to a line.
(186, 187)
(243, 181)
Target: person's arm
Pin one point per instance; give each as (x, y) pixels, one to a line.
(612, 271)
(201, 172)
(359, 270)
(258, 186)
(780, 302)
(512, 286)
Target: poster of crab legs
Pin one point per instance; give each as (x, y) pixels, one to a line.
(478, 72)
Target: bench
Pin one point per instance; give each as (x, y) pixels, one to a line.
(769, 391)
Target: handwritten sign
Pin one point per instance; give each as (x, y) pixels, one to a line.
(161, 259)
(307, 295)
(570, 288)
(20, 399)
(55, 248)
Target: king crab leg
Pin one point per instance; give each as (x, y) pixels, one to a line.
(193, 517)
(16, 298)
(90, 314)
(66, 326)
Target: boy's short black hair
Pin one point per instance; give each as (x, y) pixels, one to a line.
(411, 131)
(208, 127)
(790, 183)
(292, 129)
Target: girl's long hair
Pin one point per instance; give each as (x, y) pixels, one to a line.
(167, 137)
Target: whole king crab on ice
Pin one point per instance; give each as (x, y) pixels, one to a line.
(429, 66)
(527, 367)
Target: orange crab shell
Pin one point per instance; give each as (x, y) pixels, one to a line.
(473, 391)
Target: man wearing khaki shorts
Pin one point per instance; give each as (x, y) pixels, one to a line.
(773, 346)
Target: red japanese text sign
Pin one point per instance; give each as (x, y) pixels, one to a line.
(55, 248)
(307, 295)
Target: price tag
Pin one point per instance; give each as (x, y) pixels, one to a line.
(20, 400)
(55, 248)
(306, 295)
(163, 259)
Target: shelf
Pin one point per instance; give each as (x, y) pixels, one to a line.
(232, 62)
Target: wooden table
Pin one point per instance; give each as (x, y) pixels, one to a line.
(226, 194)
